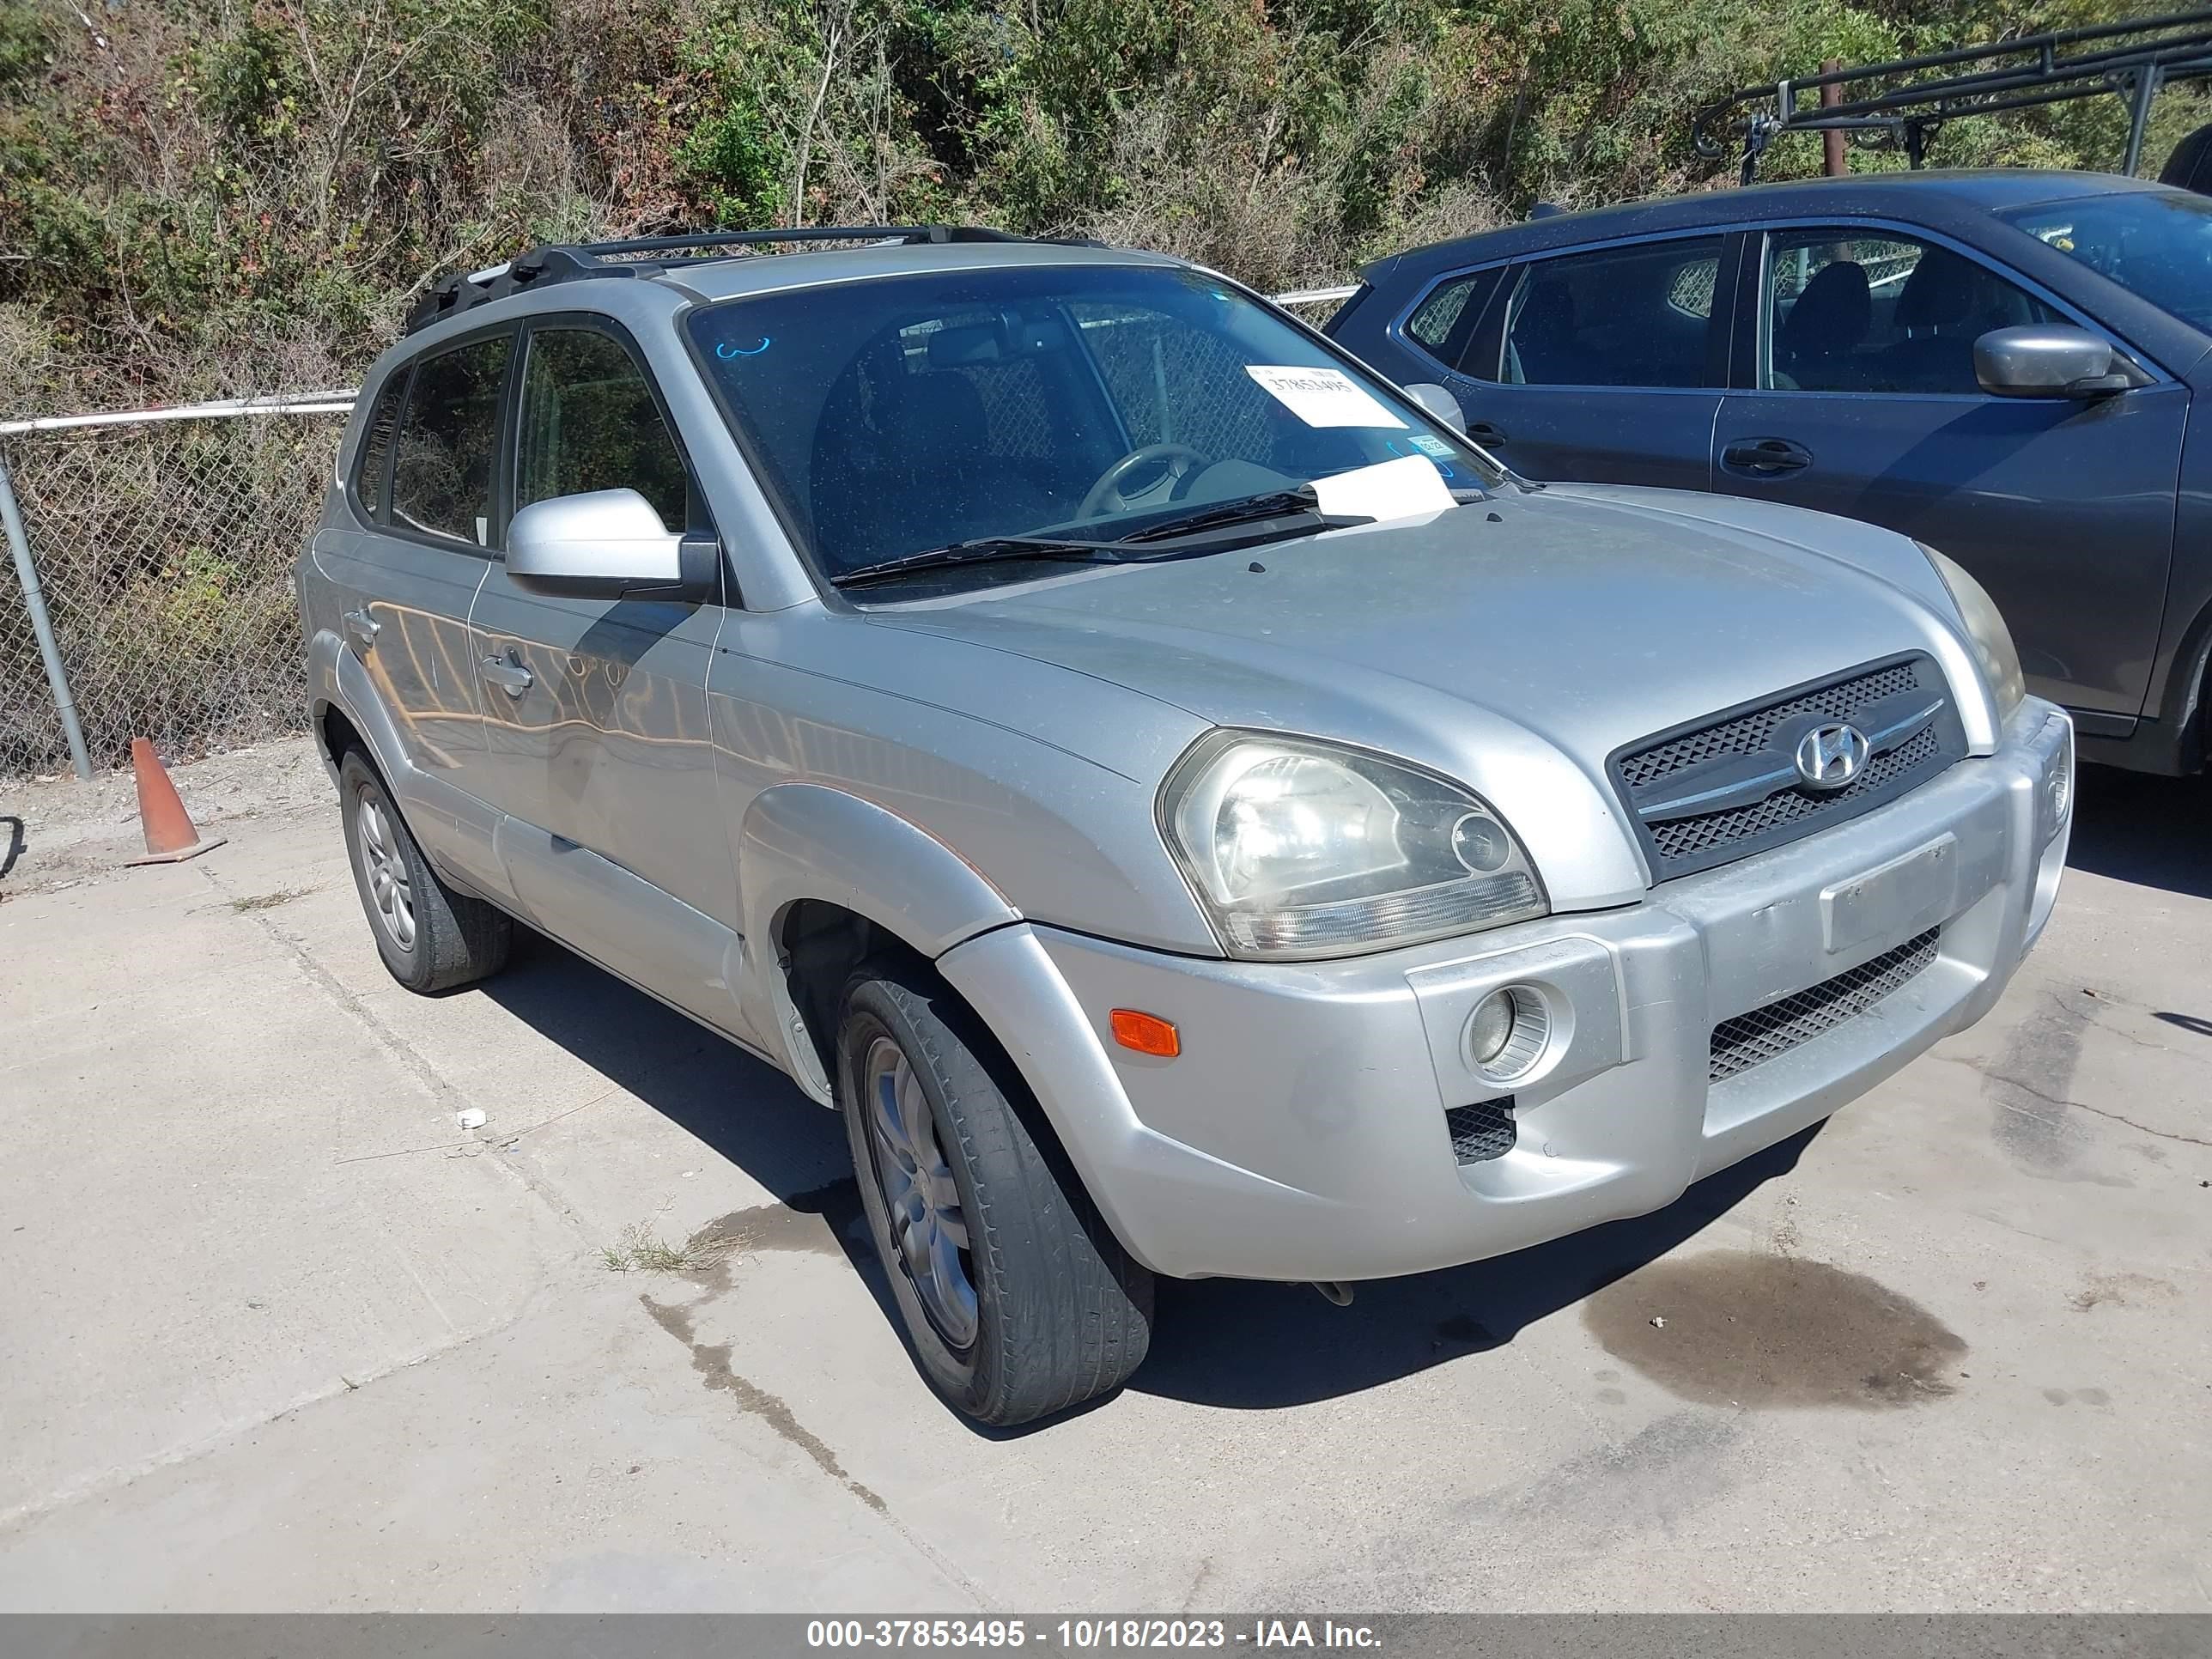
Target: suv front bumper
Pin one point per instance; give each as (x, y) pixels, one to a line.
(1301, 1133)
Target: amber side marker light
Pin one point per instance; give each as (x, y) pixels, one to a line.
(1148, 1034)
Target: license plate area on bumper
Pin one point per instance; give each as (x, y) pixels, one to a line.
(1893, 899)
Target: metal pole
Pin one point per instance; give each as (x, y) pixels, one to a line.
(36, 601)
(1832, 142)
(2146, 88)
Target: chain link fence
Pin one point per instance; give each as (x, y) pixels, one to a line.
(162, 544)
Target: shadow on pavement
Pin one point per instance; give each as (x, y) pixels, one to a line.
(2155, 832)
(1250, 1346)
(1228, 1343)
(745, 1110)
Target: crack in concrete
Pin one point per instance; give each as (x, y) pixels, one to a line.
(2081, 1105)
(449, 1098)
(712, 1361)
(714, 1364)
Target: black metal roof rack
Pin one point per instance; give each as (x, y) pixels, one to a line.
(542, 267)
(2130, 59)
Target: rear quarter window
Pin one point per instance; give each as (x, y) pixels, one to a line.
(373, 460)
(1435, 318)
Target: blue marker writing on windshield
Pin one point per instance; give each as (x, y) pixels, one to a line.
(726, 349)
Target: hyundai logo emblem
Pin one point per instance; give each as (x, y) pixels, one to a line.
(1830, 757)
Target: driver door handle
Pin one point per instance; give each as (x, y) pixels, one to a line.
(511, 677)
(363, 627)
(1487, 434)
(1766, 456)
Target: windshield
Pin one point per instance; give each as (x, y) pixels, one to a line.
(2157, 243)
(905, 414)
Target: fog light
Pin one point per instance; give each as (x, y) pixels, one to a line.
(1491, 1027)
(1507, 1031)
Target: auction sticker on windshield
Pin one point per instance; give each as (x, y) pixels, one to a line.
(1321, 397)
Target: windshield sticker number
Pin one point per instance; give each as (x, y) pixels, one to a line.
(1321, 397)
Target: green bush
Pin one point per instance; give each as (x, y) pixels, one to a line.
(229, 194)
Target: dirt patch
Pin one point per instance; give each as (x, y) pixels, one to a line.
(253, 901)
(2121, 1290)
(1735, 1328)
(74, 832)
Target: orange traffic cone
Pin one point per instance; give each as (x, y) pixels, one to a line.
(170, 837)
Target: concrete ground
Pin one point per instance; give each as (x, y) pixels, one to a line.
(278, 1335)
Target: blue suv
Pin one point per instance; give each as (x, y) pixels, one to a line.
(2002, 364)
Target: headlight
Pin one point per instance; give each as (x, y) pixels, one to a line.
(1986, 631)
(1303, 849)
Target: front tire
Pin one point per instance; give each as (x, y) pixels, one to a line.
(1017, 1299)
(431, 937)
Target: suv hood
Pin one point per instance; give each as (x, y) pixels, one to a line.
(1493, 641)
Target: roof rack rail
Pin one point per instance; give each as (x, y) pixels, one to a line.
(557, 263)
(2131, 59)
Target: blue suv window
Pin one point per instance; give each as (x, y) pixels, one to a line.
(1635, 316)
(1435, 318)
(1863, 311)
(2155, 243)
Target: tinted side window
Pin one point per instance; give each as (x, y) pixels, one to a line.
(1621, 316)
(376, 444)
(1435, 318)
(1864, 310)
(589, 422)
(441, 472)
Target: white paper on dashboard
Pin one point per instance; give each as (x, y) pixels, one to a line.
(1388, 489)
(1321, 397)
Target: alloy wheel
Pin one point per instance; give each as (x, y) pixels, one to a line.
(385, 870)
(920, 1198)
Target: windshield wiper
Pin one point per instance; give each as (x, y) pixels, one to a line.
(1251, 509)
(983, 550)
(1299, 505)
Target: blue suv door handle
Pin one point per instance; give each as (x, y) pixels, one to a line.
(1765, 456)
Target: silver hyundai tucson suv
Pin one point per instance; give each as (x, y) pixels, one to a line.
(1189, 809)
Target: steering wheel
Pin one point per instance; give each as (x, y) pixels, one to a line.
(1107, 492)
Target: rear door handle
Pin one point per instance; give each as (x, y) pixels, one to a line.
(1765, 456)
(363, 627)
(1487, 434)
(511, 677)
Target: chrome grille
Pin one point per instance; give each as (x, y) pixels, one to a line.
(1648, 774)
(1681, 840)
(1483, 1131)
(1748, 732)
(1751, 1039)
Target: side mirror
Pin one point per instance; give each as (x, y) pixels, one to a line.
(2051, 361)
(606, 544)
(1440, 402)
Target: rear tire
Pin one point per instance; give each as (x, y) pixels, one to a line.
(431, 937)
(959, 1192)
